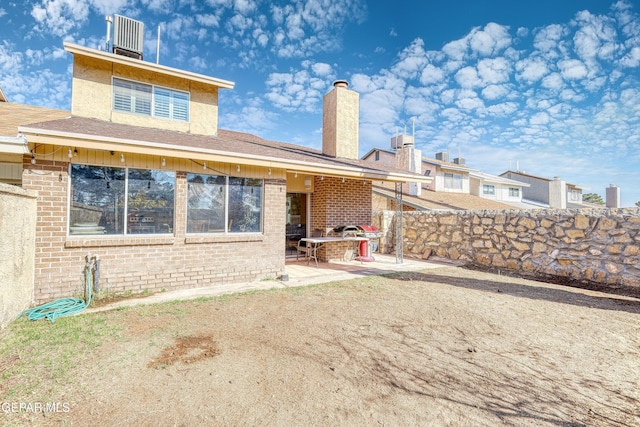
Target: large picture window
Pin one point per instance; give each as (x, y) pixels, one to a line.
(150, 100)
(221, 204)
(118, 201)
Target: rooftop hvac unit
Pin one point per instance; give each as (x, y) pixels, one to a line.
(401, 141)
(459, 161)
(443, 156)
(128, 36)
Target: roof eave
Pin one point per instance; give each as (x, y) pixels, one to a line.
(145, 65)
(41, 136)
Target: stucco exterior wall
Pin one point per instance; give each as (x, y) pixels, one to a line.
(92, 96)
(592, 245)
(135, 263)
(17, 251)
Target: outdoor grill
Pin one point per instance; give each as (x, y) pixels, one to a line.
(371, 232)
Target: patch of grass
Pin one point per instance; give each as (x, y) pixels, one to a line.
(34, 353)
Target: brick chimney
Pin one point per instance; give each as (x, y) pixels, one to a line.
(340, 121)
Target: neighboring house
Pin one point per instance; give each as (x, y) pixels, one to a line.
(496, 188)
(451, 185)
(554, 193)
(384, 199)
(450, 177)
(141, 176)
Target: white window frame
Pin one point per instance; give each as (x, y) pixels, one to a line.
(452, 181)
(514, 192)
(489, 189)
(177, 106)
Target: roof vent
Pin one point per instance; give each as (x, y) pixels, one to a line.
(128, 36)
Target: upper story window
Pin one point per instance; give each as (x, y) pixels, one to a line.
(575, 195)
(488, 189)
(453, 181)
(150, 100)
(514, 192)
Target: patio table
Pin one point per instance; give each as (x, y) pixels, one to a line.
(318, 242)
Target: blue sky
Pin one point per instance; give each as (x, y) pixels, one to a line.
(552, 86)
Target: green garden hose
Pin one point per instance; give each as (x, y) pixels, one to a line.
(63, 306)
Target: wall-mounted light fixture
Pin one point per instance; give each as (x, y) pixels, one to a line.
(269, 172)
(322, 178)
(70, 153)
(307, 183)
(204, 165)
(164, 162)
(295, 175)
(343, 179)
(121, 158)
(33, 159)
(238, 168)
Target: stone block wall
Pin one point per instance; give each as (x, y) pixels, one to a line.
(591, 245)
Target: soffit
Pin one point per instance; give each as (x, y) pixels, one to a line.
(226, 146)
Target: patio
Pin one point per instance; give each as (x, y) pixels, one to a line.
(299, 274)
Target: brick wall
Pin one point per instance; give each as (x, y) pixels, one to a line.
(155, 263)
(335, 203)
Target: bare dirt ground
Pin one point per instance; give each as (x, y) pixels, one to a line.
(442, 347)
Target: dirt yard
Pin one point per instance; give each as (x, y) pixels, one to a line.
(442, 347)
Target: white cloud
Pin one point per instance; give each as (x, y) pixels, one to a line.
(490, 40)
(467, 77)
(572, 69)
(632, 58)
(549, 38)
(208, 20)
(493, 92)
(412, 60)
(553, 81)
(531, 69)
(494, 70)
(60, 16)
(541, 118)
(431, 75)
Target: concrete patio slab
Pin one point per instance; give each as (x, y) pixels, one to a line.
(297, 273)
